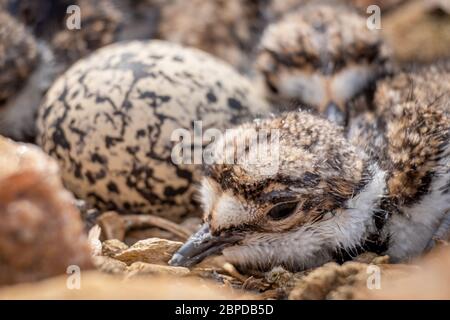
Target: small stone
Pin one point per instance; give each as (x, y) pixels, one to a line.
(142, 268)
(153, 250)
(112, 247)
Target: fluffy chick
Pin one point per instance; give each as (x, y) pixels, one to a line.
(323, 57)
(331, 196)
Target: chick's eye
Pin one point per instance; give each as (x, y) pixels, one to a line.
(282, 211)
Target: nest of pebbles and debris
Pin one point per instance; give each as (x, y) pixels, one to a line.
(44, 230)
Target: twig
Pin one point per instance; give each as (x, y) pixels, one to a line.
(144, 221)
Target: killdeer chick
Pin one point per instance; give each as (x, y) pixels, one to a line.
(331, 197)
(422, 83)
(323, 57)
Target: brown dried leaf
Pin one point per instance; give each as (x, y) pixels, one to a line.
(153, 250)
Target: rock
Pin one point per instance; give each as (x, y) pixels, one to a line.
(153, 250)
(41, 233)
(112, 247)
(142, 268)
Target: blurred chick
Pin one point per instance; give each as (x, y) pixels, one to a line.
(322, 56)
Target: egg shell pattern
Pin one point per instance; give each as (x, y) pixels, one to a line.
(108, 121)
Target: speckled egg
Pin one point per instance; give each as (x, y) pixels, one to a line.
(109, 119)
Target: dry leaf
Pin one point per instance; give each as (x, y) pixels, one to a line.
(153, 250)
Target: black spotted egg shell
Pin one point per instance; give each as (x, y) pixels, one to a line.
(108, 122)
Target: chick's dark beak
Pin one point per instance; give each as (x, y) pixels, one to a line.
(334, 114)
(201, 245)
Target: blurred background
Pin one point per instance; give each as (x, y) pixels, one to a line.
(418, 30)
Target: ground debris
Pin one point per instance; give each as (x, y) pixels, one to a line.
(109, 265)
(97, 285)
(153, 250)
(142, 268)
(112, 225)
(136, 221)
(331, 281)
(112, 247)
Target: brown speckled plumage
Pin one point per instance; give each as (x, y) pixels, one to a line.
(313, 157)
(412, 116)
(382, 186)
(320, 54)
